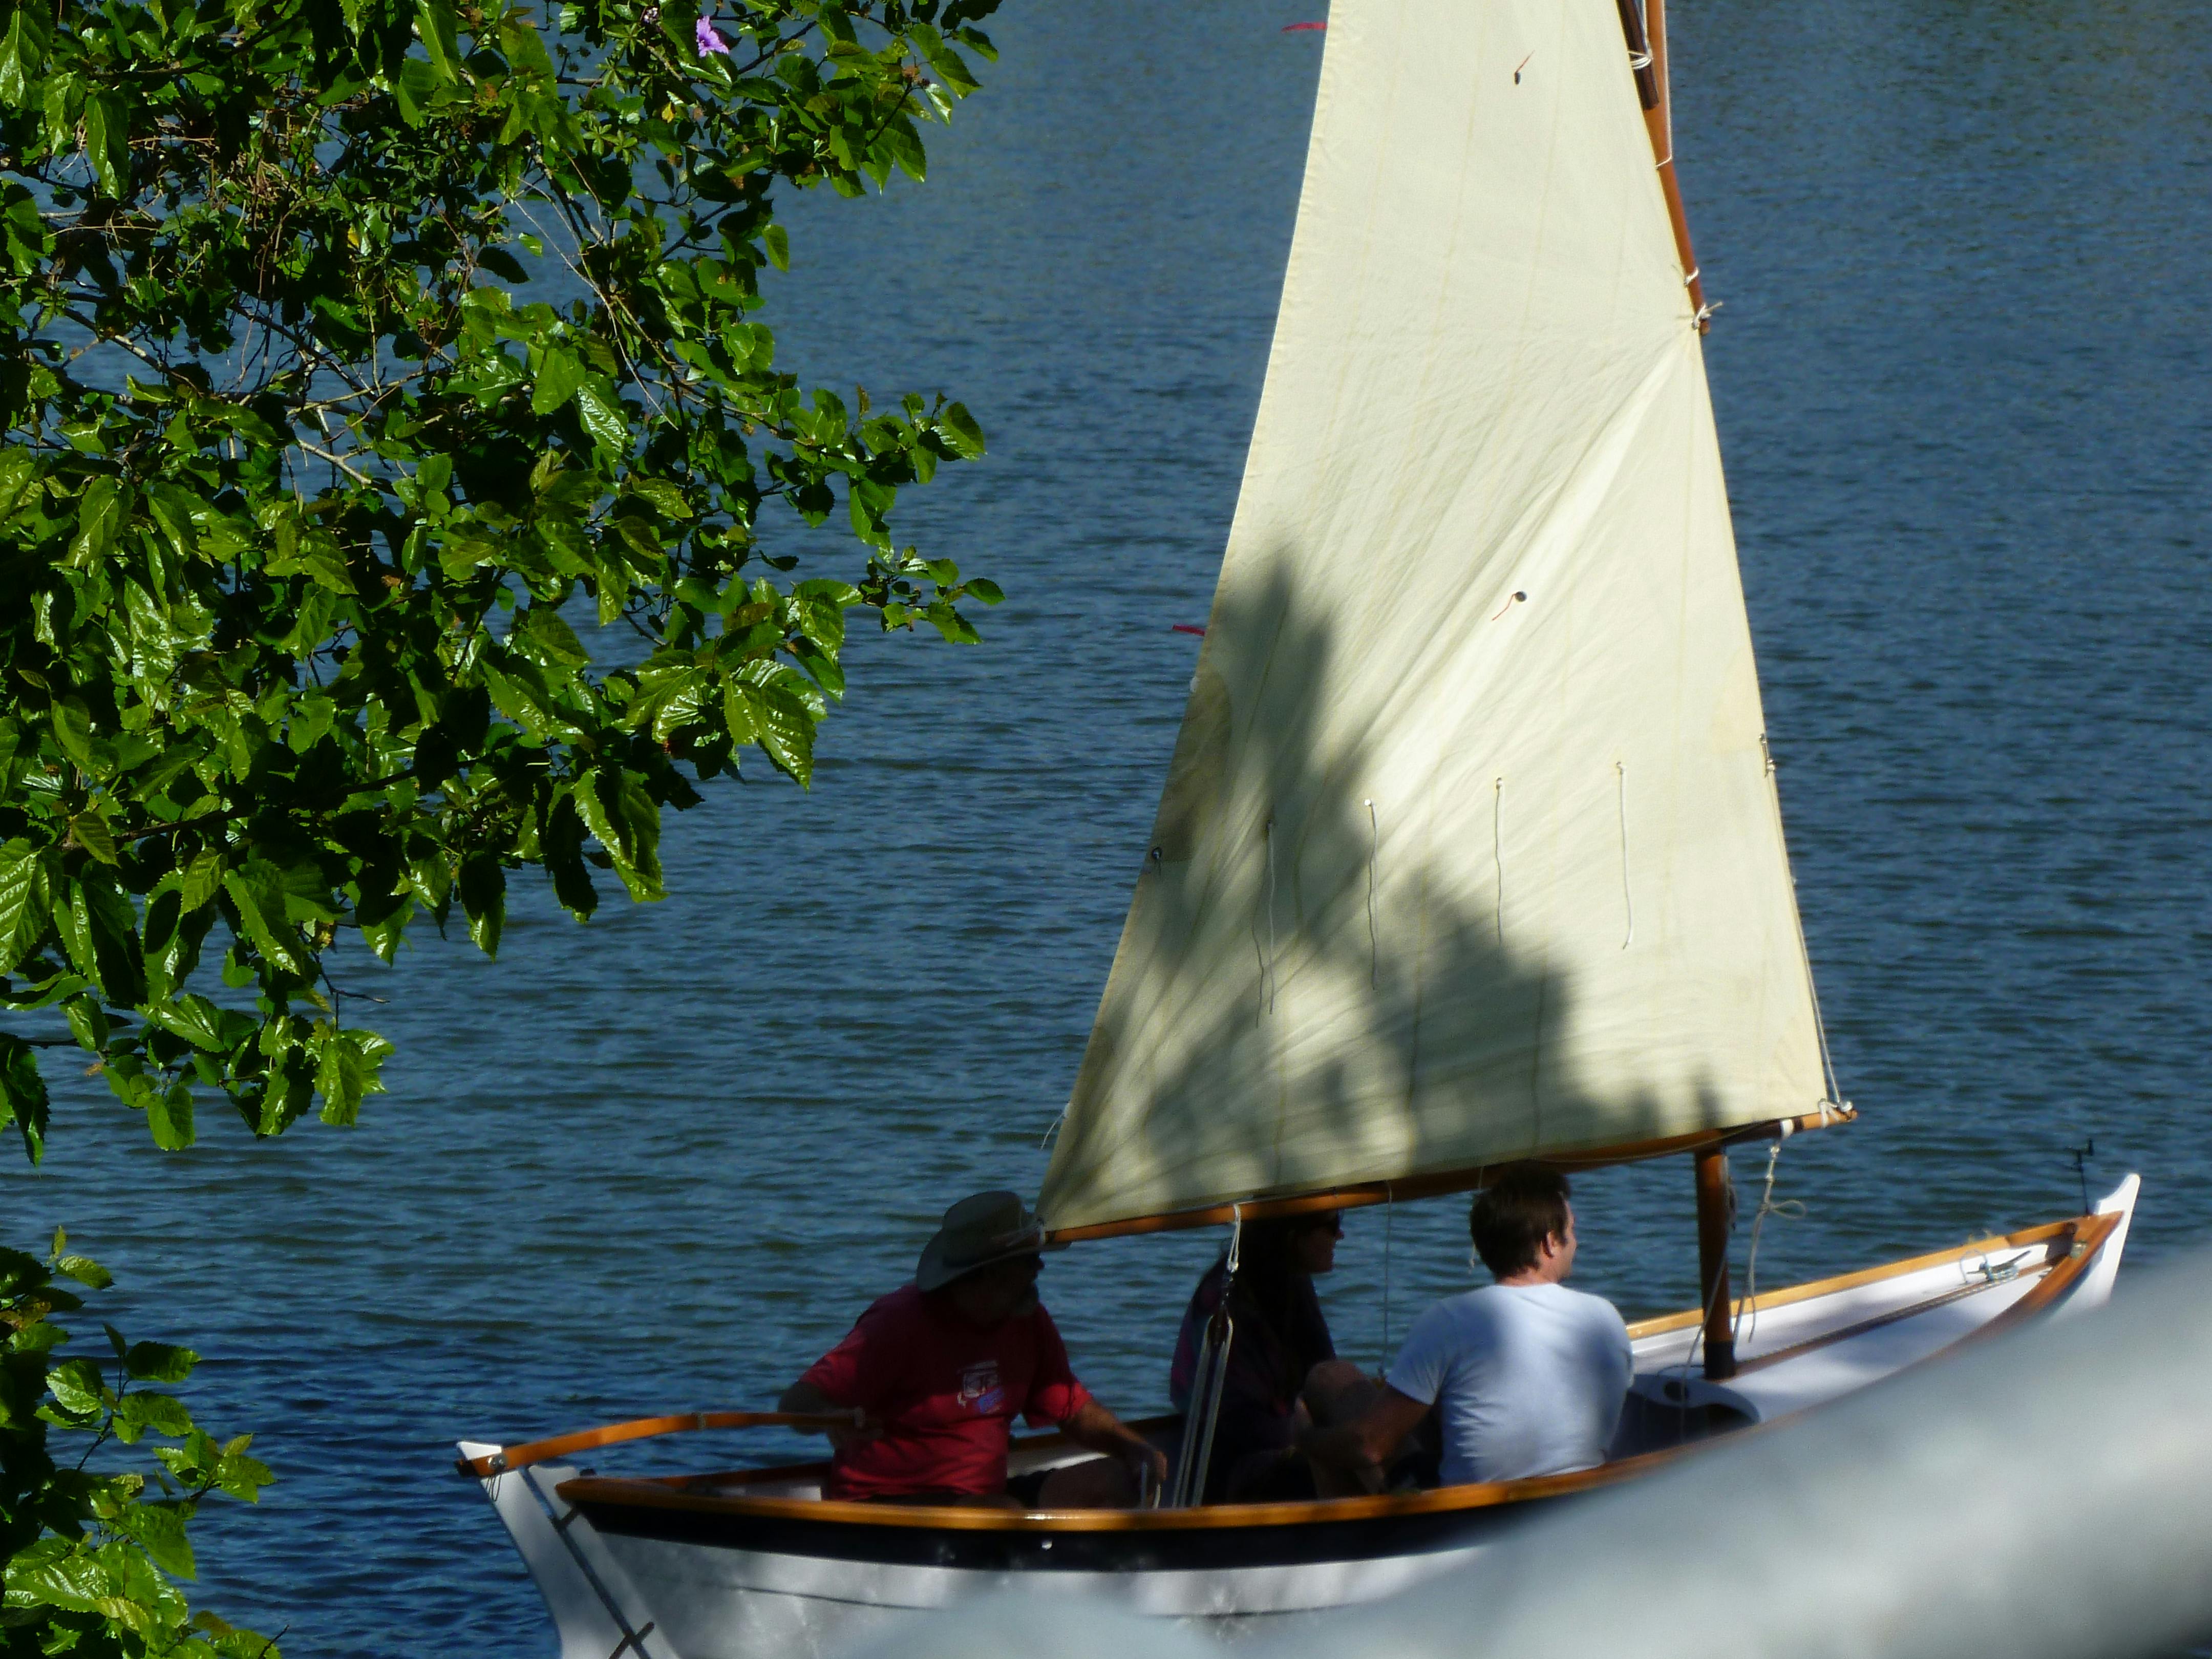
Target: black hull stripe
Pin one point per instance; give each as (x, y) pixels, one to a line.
(1014, 1550)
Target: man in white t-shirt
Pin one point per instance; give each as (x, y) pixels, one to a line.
(1528, 1376)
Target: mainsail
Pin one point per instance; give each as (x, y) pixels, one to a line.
(1469, 849)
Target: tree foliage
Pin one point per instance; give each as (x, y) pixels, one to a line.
(93, 1553)
(352, 353)
(353, 350)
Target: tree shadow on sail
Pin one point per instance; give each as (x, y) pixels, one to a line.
(1339, 966)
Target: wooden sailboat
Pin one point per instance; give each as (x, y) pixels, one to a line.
(1469, 853)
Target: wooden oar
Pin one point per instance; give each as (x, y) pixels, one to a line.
(645, 1428)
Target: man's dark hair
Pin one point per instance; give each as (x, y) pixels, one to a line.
(1511, 1217)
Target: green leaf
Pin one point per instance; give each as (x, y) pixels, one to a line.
(615, 808)
(241, 1477)
(25, 902)
(602, 415)
(73, 731)
(667, 498)
(340, 1079)
(257, 891)
(203, 877)
(107, 142)
(562, 843)
(84, 1270)
(77, 1389)
(159, 1362)
(435, 23)
(482, 887)
(192, 1017)
(951, 68)
(500, 263)
(109, 925)
(56, 1572)
(769, 705)
(23, 1096)
(21, 52)
(559, 376)
(90, 830)
(141, 1412)
(961, 431)
(543, 634)
(290, 1090)
(169, 1116)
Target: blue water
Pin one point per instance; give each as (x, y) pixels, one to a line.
(659, 1163)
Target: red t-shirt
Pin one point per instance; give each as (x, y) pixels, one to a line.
(946, 1392)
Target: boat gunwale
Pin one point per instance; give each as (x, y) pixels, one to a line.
(1661, 1324)
(2091, 1231)
(650, 1492)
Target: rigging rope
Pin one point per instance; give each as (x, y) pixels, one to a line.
(1790, 1209)
(1819, 1025)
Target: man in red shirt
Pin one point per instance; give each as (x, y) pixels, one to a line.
(936, 1372)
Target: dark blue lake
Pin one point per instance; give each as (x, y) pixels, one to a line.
(1965, 257)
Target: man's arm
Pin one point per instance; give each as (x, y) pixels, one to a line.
(1098, 1429)
(804, 1398)
(1361, 1447)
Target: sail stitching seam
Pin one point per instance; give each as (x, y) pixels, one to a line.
(1498, 850)
(1270, 975)
(1374, 941)
(1627, 899)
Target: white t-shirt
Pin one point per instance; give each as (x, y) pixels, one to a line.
(1532, 1378)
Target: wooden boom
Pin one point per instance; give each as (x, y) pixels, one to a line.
(1354, 1196)
(645, 1428)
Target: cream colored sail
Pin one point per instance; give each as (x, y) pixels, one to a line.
(1469, 849)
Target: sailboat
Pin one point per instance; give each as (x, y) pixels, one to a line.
(1470, 851)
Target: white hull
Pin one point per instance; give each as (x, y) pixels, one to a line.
(736, 1568)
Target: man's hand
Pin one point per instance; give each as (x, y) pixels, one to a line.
(1095, 1427)
(1150, 1464)
(1360, 1447)
(805, 1400)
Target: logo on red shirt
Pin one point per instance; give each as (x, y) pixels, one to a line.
(981, 1391)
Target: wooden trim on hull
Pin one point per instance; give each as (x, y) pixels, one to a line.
(2090, 1235)
(2072, 1246)
(2025, 1238)
(1359, 1194)
(1231, 1536)
(791, 1525)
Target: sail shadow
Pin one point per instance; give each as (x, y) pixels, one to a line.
(1333, 970)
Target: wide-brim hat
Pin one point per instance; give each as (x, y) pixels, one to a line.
(975, 1232)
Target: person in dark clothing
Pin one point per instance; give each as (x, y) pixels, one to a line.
(1284, 1375)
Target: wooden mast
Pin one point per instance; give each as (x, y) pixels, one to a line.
(1647, 52)
(1716, 1217)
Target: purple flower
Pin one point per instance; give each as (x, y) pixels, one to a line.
(710, 43)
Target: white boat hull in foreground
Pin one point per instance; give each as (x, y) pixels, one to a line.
(754, 1565)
